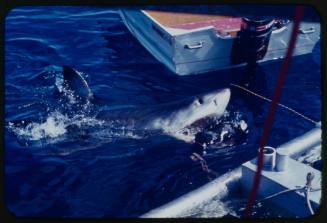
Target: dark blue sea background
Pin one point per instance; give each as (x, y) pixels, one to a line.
(63, 162)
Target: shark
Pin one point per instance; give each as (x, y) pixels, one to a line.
(171, 117)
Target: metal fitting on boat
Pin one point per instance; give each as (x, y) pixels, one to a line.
(281, 161)
(269, 158)
(253, 39)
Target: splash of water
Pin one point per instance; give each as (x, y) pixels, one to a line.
(55, 125)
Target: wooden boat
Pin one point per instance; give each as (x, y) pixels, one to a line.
(197, 43)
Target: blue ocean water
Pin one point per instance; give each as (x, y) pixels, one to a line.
(63, 161)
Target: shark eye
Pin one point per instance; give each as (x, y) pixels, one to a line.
(200, 100)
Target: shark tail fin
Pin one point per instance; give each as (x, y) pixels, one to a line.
(74, 81)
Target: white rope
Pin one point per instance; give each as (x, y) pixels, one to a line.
(279, 193)
(281, 105)
(315, 189)
(308, 202)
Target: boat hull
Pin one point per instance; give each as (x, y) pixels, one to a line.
(200, 50)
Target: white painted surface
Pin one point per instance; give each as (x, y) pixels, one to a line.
(218, 188)
(273, 182)
(299, 145)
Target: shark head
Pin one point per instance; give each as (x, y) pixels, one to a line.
(201, 106)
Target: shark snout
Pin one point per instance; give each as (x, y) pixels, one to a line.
(221, 98)
(225, 91)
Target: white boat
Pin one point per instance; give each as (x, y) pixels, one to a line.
(282, 186)
(197, 43)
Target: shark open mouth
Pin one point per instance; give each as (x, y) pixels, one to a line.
(231, 129)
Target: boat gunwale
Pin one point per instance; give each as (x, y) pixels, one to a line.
(209, 28)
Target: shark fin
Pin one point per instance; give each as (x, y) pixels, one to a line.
(76, 83)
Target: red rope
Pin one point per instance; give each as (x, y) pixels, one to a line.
(299, 10)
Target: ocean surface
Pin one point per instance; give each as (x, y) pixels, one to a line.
(62, 161)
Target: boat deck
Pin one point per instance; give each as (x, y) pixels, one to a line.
(225, 195)
(188, 21)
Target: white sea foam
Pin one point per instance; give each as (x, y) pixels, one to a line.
(54, 126)
(243, 125)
